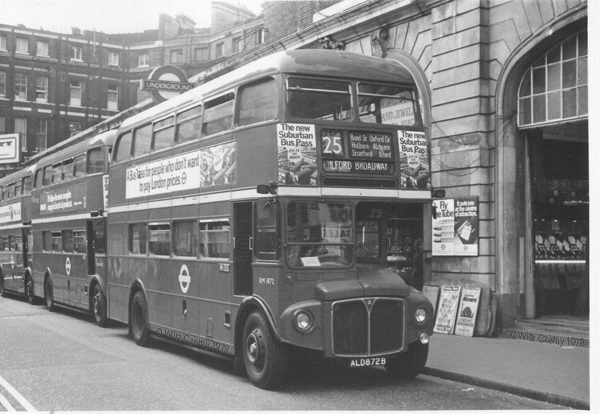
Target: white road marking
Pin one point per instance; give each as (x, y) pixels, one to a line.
(16, 395)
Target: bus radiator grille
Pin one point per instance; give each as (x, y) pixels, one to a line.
(365, 327)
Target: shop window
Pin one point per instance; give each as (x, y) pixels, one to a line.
(556, 86)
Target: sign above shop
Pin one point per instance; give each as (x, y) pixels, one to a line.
(10, 151)
(166, 82)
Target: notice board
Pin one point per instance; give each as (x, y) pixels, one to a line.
(446, 314)
(467, 311)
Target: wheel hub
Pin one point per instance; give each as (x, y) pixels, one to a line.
(253, 346)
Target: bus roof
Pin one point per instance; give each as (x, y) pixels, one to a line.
(105, 138)
(317, 62)
(15, 176)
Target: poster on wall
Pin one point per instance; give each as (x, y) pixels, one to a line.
(446, 314)
(443, 228)
(467, 311)
(297, 154)
(466, 226)
(455, 227)
(414, 160)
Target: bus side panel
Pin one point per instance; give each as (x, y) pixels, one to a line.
(119, 281)
(259, 163)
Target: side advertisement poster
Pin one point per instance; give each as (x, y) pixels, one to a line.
(207, 167)
(297, 154)
(456, 227)
(414, 160)
(467, 311)
(447, 307)
(10, 213)
(64, 200)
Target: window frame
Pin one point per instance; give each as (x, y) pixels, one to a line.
(41, 91)
(40, 50)
(204, 238)
(20, 86)
(19, 43)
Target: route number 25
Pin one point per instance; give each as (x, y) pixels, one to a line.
(332, 145)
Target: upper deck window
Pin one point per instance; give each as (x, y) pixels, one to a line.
(218, 114)
(189, 124)
(123, 151)
(95, 160)
(79, 166)
(258, 102)
(385, 104)
(142, 140)
(164, 133)
(319, 99)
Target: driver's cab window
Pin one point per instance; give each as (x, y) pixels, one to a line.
(266, 246)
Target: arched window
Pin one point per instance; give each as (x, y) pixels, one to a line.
(555, 87)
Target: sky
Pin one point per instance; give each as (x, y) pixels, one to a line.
(108, 16)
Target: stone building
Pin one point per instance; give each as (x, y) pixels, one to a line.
(503, 87)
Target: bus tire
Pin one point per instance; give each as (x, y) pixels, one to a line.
(265, 359)
(49, 294)
(29, 290)
(99, 306)
(409, 364)
(138, 319)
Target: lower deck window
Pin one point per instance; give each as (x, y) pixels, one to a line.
(79, 241)
(159, 239)
(138, 238)
(214, 239)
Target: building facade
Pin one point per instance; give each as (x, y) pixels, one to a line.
(53, 85)
(503, 87)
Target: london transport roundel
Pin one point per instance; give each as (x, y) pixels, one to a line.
(166, 82)
(68, 266)
(184, 279)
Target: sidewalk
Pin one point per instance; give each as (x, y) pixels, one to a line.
(541, 371)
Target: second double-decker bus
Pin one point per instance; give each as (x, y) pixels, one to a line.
(69, 225)
(15, 234)
(271, 210)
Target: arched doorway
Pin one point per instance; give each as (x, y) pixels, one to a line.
(541, 132)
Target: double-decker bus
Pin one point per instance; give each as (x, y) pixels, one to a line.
(15, 234)
(270, 210)
(68, 224)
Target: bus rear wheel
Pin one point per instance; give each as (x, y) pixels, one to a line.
(410, 363)
(138, 319)
(99, 306)
(265, 359)
(29, 289)
(49, 294)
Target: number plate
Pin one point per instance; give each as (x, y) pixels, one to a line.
(367, 362)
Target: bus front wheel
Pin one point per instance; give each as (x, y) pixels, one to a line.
(265, 359)
(99, 305)
(410, 363)
(138, 319)
(49, 294)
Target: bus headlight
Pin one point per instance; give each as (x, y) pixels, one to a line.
(303, 321)
(420, 315)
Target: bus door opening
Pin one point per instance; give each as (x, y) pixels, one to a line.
(242, 248)
(96, 245)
